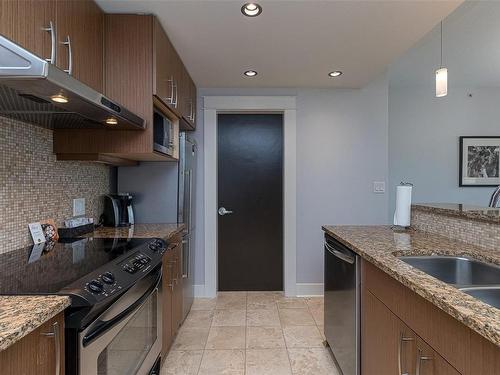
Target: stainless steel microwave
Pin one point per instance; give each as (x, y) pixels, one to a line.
(163, 129)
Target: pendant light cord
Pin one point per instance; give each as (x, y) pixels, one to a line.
(441, 44)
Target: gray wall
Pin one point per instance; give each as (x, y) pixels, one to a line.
(342, 147)
(423, 140)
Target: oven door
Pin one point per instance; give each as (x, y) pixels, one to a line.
(126, 338)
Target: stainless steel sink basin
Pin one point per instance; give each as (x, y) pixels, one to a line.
(489, 295)
(458, 271)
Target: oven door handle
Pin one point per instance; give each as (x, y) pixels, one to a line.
(101, 327)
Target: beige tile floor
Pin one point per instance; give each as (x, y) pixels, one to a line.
(251, 333)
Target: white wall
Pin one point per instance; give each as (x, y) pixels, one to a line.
(342, 147)
(423, 140)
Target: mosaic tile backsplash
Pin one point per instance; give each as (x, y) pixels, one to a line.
(35, 186)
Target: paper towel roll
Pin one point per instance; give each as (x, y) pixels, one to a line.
(402, 215)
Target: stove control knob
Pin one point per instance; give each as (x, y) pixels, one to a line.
(96, 287)
(108, 278)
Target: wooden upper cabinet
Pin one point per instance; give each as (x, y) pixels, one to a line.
(167, 70)
(172, 83)
(80, 30)
(77, 29)
(27, 23)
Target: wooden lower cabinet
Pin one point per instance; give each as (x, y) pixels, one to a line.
(37, 353)
(401, 333)
(172, 295)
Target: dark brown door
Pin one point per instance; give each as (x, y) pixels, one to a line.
(250, 184)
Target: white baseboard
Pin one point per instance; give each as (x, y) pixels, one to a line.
(309, 289)
(303, 290)
(199, 291)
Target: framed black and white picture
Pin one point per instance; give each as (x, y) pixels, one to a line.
(479, 161)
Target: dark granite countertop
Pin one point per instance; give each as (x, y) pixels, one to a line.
(380, 245)
(485, 214)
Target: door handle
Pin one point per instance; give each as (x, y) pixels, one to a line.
(222, 211)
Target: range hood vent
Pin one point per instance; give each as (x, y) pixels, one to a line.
(28, 85)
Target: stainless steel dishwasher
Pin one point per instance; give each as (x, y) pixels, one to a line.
(342, 305)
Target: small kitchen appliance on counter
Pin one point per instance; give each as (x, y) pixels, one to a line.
(118, 210)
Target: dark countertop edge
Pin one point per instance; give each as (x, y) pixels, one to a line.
(25, 329)
(472, 214)
(422, 292)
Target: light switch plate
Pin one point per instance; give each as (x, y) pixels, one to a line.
(79, 207)
(379, 187)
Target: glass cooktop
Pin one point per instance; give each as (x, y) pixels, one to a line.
(35, 270)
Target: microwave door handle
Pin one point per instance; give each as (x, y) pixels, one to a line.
(101, 327)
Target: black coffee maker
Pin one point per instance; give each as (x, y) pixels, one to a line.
(118, 211)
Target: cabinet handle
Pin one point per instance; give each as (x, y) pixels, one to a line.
(170, 82)
(402, 340)
(190, 117)
(171, 282)
(53, 40)
(67, 43)
(421, 358)
(176, 94)
(57, 343)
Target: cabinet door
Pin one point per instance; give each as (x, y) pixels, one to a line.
(41, 352)
(177, 307)
(27, 23)
(80, 33)
(429, 362)
(167, 69)
(167, 287)
(387, 346)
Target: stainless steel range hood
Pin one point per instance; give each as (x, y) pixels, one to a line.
(30, 85)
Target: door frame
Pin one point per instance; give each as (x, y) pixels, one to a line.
(285, 105)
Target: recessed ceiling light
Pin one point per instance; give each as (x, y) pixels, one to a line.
(251, 9)
(112, 121)
(250, 73)
(59, 98)
(336, 73)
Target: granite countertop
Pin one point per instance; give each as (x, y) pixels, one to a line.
(485, 214)
(19, 315)
(380, 245)
(164, 231)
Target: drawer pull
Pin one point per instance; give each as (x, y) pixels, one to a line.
(402, 340)
(55, 334)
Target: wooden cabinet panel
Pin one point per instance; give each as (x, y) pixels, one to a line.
(429, 362)
(37, 352)
(380, 332)
(444, 333)
(82, 21)
(24, 21)
(167, 335)
(167, 69)
(484, 356)
(172, 294)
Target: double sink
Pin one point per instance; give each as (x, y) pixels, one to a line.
(479, 279)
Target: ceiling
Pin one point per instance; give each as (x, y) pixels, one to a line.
(292, 43)
(471, 52)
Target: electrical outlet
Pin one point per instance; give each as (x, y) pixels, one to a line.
(379, 187)
(79, 207)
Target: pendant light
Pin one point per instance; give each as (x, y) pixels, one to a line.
(441, 74)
